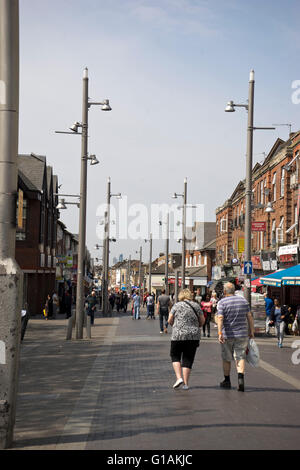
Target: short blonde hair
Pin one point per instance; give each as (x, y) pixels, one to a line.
(185, 294)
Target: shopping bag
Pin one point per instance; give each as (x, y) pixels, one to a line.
(252, 353)
(295, 326)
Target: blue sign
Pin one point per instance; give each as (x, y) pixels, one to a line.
(248, 267)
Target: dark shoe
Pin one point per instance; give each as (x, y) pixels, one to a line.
(241, 387)
(225, 384)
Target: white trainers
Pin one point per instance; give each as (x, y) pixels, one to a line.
(178, 383)
(185, 387)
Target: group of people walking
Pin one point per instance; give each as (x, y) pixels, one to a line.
(191, 315)
(235, 327)
(119, 300)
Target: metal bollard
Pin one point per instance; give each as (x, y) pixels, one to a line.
(71, 323)
(88, 327)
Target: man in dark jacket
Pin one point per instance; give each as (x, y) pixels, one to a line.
(91, 305)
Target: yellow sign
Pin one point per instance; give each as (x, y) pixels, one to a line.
(241, 245)
(20, 209)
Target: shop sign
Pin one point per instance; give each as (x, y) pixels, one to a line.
(266, 265)
(288, 250)
(256, 262)
(259, 226)
(274, 265)
(241, 245)
(20, 209)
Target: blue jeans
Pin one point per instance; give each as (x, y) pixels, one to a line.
(136, 311)
(150, 311)
(162, 317)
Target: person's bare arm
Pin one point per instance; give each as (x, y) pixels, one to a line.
(250, 324)
(171, 319)
(220, 319)
(201, 320)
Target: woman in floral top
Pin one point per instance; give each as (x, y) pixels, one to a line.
(186, 318)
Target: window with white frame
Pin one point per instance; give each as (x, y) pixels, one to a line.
(274, 186)
(282, 182)
(273, 232)
(296, 221)
(262, 192)
(223, 225)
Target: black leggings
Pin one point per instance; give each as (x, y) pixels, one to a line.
(184, 352)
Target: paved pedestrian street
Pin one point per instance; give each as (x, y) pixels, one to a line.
(114, 392)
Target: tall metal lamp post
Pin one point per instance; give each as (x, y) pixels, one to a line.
(109, 195)
(150, 261)
(86, 104)
(184, 196)
(250, 108)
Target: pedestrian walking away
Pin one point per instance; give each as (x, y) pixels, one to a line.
(125, 301)
(207, 307)
(55, 302)
(235, 326)
(91, 306)
(150, 306)
(163, 306)
(48, 307)
(214, 300)
(277, 318)
(186, 319)
(68, 302)
(24, 319)
(198, 296)
(268, 308)
(136, 302)
(111, 300)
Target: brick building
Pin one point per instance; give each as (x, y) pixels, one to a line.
(36, 240)
(275, 184)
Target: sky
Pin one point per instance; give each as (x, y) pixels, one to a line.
(168, 68)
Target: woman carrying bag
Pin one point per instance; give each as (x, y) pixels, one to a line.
(277, 318)
(186, 318)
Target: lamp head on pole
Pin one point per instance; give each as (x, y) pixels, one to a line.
(106, 106)
(269, 208)
(94, 160)
(61, 205)
(75, 126)
(230, 107)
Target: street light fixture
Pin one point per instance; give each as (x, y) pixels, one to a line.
(150, 261)
(167, 251)
(184, 196)
(106, 242)
(86, 104)
(93, 160)
(248, 194)
(269, 208)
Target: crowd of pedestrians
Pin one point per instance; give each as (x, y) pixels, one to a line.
(190, 318)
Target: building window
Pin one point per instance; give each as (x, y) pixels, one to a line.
(273, 233)
(296, 221)
(262, 192)
(274, 187)
(279, 231)
(282, 182)
(21, 232)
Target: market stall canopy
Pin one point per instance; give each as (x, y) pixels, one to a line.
(284, 277)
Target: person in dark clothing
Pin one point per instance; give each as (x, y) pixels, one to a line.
(91, 301)
(68, 304)
(48, 307)
(112, 300)
(24, 320)
(125, 301)
(278, 318)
